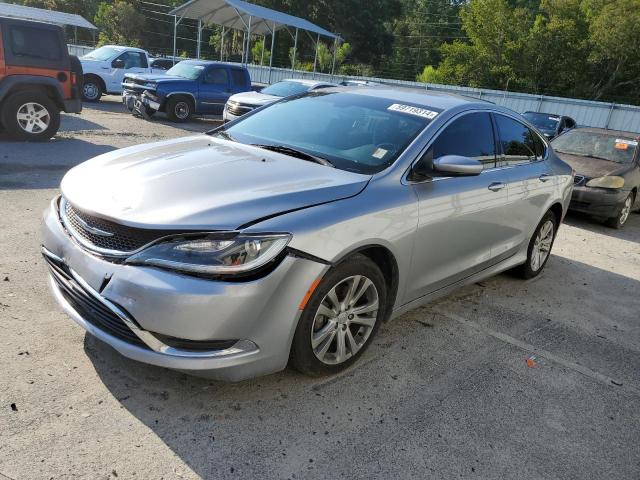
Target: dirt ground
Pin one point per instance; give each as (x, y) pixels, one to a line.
(444, 392)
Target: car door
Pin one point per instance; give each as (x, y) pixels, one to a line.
(213, 90)
(239, 81)
(460, 218)
(530, 179)
(126, 62)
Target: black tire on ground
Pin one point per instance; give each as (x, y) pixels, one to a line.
(532, 268)
(302, 357)
(91, 89)
(30, 116)
(621, 218)
(179, 109)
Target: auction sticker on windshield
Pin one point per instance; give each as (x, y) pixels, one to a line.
(419, 112)
(622, 144)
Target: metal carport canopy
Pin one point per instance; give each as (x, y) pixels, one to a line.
(234, 14)
(46, 16)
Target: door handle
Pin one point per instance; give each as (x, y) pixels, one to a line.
(496, 186)
(544, 177)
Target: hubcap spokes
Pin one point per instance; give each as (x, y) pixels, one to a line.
(344, 320)
(182, 110)
(33, 117)
(626, 210)
(542, 246)
(90, 90)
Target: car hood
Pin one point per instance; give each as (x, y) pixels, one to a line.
(202, 182)
(156, 77)
(593, 167)
(253, 98)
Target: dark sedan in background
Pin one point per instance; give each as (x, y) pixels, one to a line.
(550, 124)
(607, 166)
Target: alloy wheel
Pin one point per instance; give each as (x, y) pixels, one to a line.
(33, 117)
(344, 320)
(542, 245)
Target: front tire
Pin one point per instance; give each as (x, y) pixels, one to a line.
(540, 247)
(341, 318)
(623, 215)
(30, 116)
(91, 89)
(179, 109)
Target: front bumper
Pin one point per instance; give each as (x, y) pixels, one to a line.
(134, 101)
(599, 202)
(261, 314)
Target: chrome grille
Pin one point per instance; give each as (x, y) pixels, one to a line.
(105, 236)
(238, 109)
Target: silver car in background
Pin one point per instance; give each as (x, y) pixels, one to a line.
(292, 234)
(245, 102)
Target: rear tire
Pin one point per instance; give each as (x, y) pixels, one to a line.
(341, 318)
(30, 116)
(540, 247)
(620, 220)
(179, 109)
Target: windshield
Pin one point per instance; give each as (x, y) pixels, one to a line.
(186, 70)
(285, 89)
(102, 53)
(543, 121)
(614, 148)
(359, 133)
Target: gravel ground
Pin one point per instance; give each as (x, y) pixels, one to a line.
(444, 392)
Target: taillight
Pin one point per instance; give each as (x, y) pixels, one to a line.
(74, 79)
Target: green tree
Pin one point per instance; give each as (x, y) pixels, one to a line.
(430, 75)
(614, 34)
(256, 53)
(324, 57)
(120, 23)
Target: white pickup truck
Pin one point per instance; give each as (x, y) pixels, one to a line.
(104, 69)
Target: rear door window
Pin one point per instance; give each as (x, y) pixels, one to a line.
(519, 144)
(238, 77)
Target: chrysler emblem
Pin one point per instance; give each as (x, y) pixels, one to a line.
(94, 230)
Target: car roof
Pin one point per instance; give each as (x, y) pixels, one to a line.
(306, 81)
(606, 131)
(209, 62)
(425, 98)
(124, 47)
(548, 113)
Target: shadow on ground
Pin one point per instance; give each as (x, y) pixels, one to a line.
(630, 232)
(31, 167)
(430, 393)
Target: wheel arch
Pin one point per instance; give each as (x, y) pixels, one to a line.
(557, 210)
(386, 261)
(189, 96)
(98, 78)
(24, 83)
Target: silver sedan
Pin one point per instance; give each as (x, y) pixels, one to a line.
(292, 234)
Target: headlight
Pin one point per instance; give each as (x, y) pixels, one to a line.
(213, 254)
(606, 182)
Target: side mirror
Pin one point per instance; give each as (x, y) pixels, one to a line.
(457, 166)
(117, 63)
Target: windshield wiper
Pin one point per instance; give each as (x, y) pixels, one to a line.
(226, 135)
(295, 153)
(586, 155)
